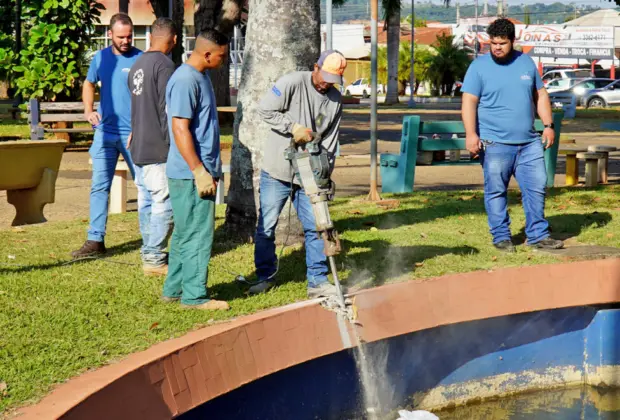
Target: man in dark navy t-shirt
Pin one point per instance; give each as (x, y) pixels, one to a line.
(150, 143)
(501, 93)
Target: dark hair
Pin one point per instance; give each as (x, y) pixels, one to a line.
(163, 25)
(214, 36)
(122, 18)
(502, 28)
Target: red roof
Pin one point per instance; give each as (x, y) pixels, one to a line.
(423, 36)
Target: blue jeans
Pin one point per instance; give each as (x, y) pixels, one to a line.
(273, 196)
(526, 162)
(155, 212)
(104, 153)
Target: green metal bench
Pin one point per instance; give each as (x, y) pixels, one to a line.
(398, 171)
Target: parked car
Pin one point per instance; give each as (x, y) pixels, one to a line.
(583, 87)
(561, 84)
(361, 87)
(599, 98)
(565, 74)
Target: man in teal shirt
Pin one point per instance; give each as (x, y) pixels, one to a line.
(193, 169)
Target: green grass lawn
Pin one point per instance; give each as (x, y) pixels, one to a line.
(59, 319)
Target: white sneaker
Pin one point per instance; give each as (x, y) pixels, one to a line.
(323, 290)
(261, 287)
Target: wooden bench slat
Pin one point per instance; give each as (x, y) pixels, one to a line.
(62, 106)
(61, 117)
(69, 130)
(79, 107)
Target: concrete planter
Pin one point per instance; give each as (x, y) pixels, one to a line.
(28, 171)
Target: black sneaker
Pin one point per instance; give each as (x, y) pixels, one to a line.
(89, 249)
(505, 246)
(548, 243)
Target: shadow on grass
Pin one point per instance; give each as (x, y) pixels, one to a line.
(392, 219)
(379, 263)
(114, 251)
(566, 226)
(383, 261)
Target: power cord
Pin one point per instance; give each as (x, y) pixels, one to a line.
(102, 259)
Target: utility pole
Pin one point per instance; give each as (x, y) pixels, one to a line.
(328, 24)
(373, 195)
(476, 39)
(412, 77)
(485, 10)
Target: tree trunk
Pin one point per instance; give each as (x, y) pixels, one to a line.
(393, 45)
(222, 15)
(178, 9)
(282, 36)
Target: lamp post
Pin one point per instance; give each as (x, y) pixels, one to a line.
(373, 195)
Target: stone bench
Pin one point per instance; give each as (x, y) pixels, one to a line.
(603, 163)
(572, 164)
(591, 159)
(28, 172)
(118, 191)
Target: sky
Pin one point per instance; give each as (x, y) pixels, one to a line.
(600, 3)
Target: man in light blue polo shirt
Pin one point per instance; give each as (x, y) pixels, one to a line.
(112, 123)
(501, 93)
(193, 169)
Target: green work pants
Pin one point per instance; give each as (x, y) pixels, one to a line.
(190, 247)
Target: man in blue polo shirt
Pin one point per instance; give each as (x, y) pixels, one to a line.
(501, 93)
(112, 123)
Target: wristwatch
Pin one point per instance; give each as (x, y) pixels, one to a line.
(551, 126)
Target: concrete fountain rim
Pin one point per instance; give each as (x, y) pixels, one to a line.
(174, 376)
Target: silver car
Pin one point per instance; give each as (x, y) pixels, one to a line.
(606, 96)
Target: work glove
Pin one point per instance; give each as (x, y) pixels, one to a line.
(205, 184)
(301, 134)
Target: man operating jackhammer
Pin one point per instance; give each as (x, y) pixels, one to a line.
(303, 110)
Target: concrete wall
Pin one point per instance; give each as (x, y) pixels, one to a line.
(442, 366)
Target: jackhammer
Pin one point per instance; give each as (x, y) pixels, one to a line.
(311, 167)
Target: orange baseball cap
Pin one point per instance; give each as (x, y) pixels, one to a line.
(332, 64)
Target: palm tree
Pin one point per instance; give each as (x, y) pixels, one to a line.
(282, 36)
(448, 65)
(423, 57)
(392, 25)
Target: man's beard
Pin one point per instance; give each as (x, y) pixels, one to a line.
(118, 48)
(505, 59)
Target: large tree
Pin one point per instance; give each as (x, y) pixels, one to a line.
(282, 36)
(161, 8)
(222, 15)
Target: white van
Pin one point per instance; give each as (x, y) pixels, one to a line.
(565, 74)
